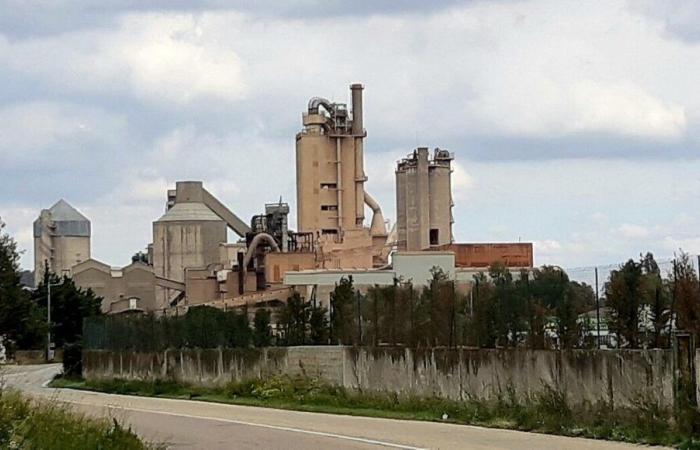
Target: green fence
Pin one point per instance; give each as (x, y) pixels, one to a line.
(201, 327)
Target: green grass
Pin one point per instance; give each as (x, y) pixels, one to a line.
(25, 424)
(547, 412)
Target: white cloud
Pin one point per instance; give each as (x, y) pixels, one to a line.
(156, 57)
(632, 231)
(462, 182)
(625, 110)
(33, 132)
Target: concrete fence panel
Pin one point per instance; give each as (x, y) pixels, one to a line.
(619, 377)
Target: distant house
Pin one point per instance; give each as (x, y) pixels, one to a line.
(591, 330)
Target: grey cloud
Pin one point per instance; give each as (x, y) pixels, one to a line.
(680, 18)
(37, 17)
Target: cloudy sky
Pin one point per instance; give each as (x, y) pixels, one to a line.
(575, 125)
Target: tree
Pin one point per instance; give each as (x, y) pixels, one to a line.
(343, 312)
(70, 304)
(624, 295)
(483, 325)
(21, 324)
(318, 325)
(510, 306)
(262, 334)
(656, 297)
(549, 289)
(687, 291)
(294, 320)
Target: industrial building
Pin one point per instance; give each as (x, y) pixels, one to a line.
(331, 193)
(61, 240)
(131, 288)
(189, 261)
(424, 200)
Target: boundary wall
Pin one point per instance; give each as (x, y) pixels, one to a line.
(615, 376)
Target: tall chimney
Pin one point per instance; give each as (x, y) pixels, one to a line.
(357, 126)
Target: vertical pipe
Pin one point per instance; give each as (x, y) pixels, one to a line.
(597, 307)
(48, 322)
(358, 132)
(339, 184)
(357, 124)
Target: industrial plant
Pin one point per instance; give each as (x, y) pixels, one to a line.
(190, 262)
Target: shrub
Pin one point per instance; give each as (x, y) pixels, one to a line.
(29, 425)
(73, 360)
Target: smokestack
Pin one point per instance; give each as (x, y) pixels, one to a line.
(357, 126)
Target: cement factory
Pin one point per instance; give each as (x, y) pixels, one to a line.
(190, 262)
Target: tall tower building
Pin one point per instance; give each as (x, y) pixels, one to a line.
(424, 200)
(61, 239)
(331, 179)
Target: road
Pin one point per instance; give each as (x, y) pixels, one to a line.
(186, 424)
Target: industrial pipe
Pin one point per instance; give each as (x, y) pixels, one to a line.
(254, 244)
(358, 132)
(339, 185)
(315, 102)
(243, 269)
(357, 126)
(377, 228)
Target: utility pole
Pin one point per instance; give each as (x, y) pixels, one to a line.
(49, 350)
(673, 301)
(359, 318)
(597, 308)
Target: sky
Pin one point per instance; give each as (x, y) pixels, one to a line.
(575, 124)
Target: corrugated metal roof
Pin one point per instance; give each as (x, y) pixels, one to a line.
(189, 212)
(66, 220)
(63, 211)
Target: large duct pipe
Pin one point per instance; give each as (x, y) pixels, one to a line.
(377, 228)
(243, 268)
(315, 102)
(357, 125)
(254, 244)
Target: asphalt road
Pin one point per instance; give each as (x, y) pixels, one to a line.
(185, 424)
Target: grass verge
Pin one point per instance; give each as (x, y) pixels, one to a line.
(644, 422)
(26, 424)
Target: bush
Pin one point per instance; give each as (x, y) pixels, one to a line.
(28, 425)
(73, 360)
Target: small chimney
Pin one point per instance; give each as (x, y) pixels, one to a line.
(357, 126)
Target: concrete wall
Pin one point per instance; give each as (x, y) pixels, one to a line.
(585, 375)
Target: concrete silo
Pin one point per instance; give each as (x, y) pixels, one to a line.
(61, 239)
(424, 200)
(330, 176)
(189, 235)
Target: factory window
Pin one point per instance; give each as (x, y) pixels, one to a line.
(329, 186)
(434, 236)
(329, 208)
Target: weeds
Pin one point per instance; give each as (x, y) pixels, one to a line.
(33, 425)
